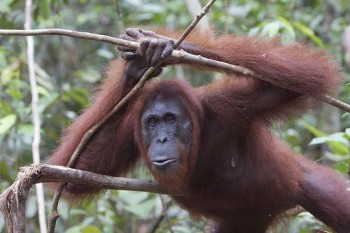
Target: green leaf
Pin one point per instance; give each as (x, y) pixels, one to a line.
(337, 143)
(44, 7)
(287, 26)
(309, 33)
(90, 229)
(5, 108)
(317, 141)
(43, 91)
(26, 129)
(313, 130)
(347, 133)
(336, 157)
(271, 29)
(15, 94)
(342, 167)
(7, 122)
(339, 137)
(4, 172)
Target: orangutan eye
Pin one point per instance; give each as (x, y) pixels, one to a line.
(152, 121)
(170, 118)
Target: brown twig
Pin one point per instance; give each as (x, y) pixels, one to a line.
(194, 23)
(182, 55)
(335, 102)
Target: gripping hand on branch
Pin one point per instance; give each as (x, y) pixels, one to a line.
(153, 48)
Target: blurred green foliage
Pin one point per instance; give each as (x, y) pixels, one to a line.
(68, 71)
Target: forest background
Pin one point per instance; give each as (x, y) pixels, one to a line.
(68, 72)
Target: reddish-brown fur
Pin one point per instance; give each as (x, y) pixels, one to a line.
(239, 174)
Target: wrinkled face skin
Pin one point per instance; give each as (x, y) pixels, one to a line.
(167, 135)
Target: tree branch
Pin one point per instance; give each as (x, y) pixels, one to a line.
(13, 200)
(182, 55)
